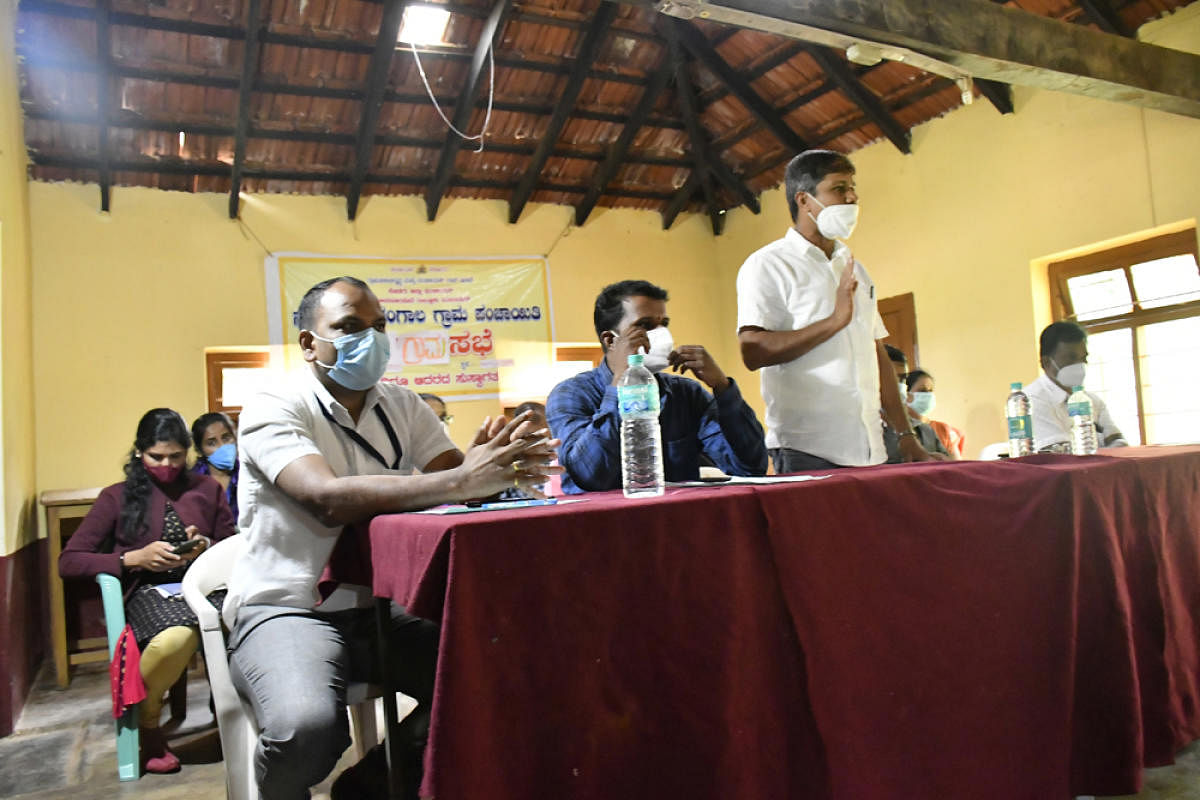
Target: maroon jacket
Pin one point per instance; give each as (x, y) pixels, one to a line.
(94, 549)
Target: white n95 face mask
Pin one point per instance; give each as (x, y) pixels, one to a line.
(661, 345)
(1072, 374)
(836, 222)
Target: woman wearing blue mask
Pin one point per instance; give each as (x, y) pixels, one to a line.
(216, 444)
(920, 401)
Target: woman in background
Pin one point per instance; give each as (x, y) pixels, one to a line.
(921, 402)
(216, 444)
(146, 531)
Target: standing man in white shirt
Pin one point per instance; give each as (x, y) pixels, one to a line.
(807, 318)
(328, 450)
(1063, 348)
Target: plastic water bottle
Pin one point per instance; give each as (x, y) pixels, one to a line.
(1020, 425)
(641, 441)
(1083, 428)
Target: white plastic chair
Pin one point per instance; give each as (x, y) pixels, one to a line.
(993, 451)
(235, 719)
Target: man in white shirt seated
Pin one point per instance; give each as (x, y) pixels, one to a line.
(1064, 355)
(328, 450)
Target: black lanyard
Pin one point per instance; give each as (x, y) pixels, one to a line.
(363, 443)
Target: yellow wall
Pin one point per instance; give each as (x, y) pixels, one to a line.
(140, 292)
(959, 221)
(16, 375)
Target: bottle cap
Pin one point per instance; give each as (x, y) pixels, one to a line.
(636, 359)
(1075, 389)
(1015, 385)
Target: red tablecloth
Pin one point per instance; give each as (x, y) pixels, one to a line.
(1000, 629)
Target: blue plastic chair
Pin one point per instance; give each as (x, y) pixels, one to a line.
(129, 765)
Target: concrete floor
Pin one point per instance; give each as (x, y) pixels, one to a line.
(64, 746)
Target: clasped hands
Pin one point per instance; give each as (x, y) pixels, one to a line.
(509, 454)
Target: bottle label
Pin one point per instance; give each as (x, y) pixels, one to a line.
(1020, 427)
(639, 400)
(1083, 408)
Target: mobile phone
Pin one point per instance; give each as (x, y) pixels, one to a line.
(186, 547)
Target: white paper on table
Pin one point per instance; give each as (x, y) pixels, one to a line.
(744, 481)
(500, 506)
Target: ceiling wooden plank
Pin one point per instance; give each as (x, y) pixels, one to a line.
(588, 48)
(619, 150)
(700, 47)
(493, 26)
(1103, 17)
(680, 199)
(221, 169)
(871, 106)
(1010, 45)
(685, 95)
(707, 158)
(245, 92)
(1000, 94)
(103, 97)
(377, 81)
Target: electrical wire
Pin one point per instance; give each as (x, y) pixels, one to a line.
(487, 117)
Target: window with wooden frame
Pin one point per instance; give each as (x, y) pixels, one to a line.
(1140, 304)
(231, 376)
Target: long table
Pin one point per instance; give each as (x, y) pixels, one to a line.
(1028, 628)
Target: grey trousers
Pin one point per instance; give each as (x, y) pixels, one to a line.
(293, 666)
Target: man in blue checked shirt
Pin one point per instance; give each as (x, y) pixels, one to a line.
(582, 410)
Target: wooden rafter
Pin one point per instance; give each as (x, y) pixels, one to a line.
(1103, 17)
(679, 201)
(103, 101)
(685, 95)
(866, 100)
(619, 151)
(588, 49)
(986, 40)
(493, 26)
(245, 93)
(137, 122)
(377, 80)
(701, 48)
(216, 168)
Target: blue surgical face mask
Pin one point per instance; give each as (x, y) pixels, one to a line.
(922, 403)
(224, 457)
(362, 358)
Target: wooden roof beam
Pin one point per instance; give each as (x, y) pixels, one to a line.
(866, 100)
(701, 148)
(995, 42)
(588, 48)
(245, 92)
(704, 52)
(493, 26)
(103, 101)
(999, 94)
(685, 95)
(680, 200)
(1103, 17)
(377, 81)
(619, 150)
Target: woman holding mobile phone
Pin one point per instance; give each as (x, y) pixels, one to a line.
(146, 530)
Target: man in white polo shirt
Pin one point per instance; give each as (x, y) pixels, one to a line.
(807, 318)
(331, 449)
(1063, 349)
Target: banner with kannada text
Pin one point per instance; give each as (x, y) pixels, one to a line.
(457, 327)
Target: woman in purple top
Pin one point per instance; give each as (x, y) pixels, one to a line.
(146, 530)
(216, 444)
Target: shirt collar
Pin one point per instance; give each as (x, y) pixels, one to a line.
(1055, 391)
(808, 249)
(338, 410)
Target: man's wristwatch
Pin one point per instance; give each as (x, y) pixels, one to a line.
(909, 432)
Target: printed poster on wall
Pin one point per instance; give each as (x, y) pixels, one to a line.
(459, 328)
